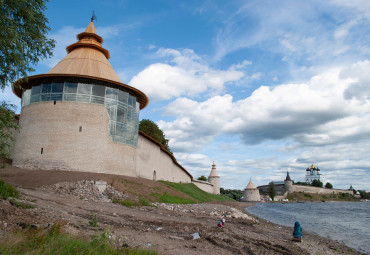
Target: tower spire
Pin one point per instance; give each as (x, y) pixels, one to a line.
(93, 17)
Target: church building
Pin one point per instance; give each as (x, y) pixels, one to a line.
(313, 173)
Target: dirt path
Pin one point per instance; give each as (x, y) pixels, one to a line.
(165, 228)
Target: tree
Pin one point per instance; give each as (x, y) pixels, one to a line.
(272, 191)
(364, 195)
(152, 130)
(328, 185)
(202, 178)
(23, 40)
(317, 183)
(7, 127)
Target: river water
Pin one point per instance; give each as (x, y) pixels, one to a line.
(348, 222)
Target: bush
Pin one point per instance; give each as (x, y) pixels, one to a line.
(317, 183)
(328, 185)
(7, 190)
(364, 195)
(93, 221)
(202, 178)
(232, 193)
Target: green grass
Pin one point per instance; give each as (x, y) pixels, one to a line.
(22, 205)
(197, 194)
(7, 190)
(93, 221)
(165, 198)
(53, 242)
(129, 203)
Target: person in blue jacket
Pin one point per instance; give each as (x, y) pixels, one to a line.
(297, 233)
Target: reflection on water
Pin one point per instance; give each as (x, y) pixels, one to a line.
(342, 221)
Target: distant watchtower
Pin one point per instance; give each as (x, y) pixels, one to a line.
(214, 179)
(288, 183)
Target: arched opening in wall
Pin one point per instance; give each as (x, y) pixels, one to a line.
(154, 175)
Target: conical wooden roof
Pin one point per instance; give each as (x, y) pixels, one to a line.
(213, 171)
(86, 59)
(251, 185)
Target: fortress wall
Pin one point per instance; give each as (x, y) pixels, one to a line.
(55, 129)
(310, 189)
(150, 157)
(205, 186)
(280, 188)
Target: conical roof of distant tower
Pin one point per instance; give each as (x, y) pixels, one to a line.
(86, 59)
(251, 185)
(213, 171)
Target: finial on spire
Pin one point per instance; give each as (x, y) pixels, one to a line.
(93, 17)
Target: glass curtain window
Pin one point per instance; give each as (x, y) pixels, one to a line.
(122, 108)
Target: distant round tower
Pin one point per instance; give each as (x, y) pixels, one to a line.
(251, 193)
(214, 179)
(288, 183)
(79, 116)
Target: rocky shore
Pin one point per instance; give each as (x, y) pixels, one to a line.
(165, 228)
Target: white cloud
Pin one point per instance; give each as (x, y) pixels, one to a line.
(361, 6)
(185, 74)
(314, 112)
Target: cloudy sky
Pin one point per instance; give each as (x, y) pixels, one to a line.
(259, 87)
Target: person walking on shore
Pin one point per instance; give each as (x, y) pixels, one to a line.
(297, 232)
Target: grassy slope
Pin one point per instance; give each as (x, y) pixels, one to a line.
(197, 194)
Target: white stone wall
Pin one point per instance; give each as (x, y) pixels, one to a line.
(310, 189)
(150, 158)
(55, 129)
(205, 186)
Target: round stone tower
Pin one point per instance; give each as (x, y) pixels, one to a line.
(79, 116)
(288, 183)
(251, 193)
(214, 179)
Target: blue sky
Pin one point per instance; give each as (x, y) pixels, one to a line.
(259, 87)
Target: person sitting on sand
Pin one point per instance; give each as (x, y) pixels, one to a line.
(297, 233)
(221, 223)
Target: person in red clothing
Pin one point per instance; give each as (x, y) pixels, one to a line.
(221, 223)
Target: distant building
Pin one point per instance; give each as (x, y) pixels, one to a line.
(313, 173)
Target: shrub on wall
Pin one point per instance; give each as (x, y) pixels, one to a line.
(152, 130)
(202, 178)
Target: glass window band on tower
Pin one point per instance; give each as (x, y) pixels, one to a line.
(123, 108)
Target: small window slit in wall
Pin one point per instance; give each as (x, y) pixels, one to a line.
(55, 102)
(42, 150)
(80, 129)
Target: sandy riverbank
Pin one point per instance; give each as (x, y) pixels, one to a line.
(165, 228)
